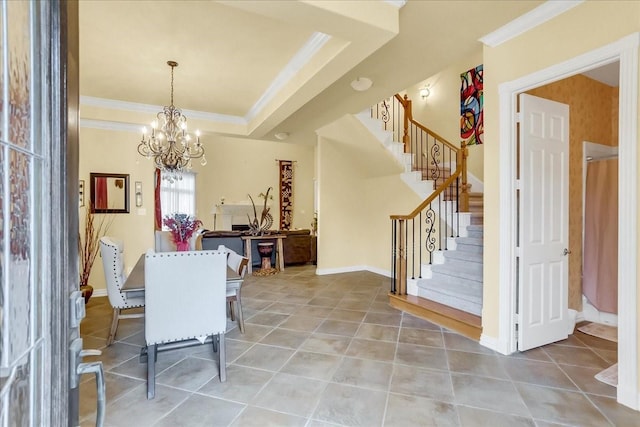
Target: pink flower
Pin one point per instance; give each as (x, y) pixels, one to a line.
(181, 226)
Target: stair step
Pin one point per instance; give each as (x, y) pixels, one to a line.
(459, 295)
(457, 269)
(464, 256)
(477, 233)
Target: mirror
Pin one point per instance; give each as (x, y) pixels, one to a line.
(109, 193)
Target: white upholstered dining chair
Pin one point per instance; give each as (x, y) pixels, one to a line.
(111, 251)
(185, 300)
(237, 263)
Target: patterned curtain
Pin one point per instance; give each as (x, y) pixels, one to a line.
(286, 194)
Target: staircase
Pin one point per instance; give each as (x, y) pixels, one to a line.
(456, 280)
(437, 269)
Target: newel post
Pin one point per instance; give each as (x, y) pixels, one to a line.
(465, 187)
(407, 116)
(401, 259)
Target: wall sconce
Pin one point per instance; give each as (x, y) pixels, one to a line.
(425, 92)
(138, 192)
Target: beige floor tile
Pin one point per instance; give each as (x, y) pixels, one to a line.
(409, 321)
(431, 338)
(476, 364)
(318, 366)
(202, 411)
(242, 384)
(265, 357)
(259, 417)
(472, 417)
(265, 318)
(389, 319)
(189, 374)
(364, 373)
(282, 307)
(561, 406)
(453, 341)
(324, 343)
(290, 394)
(338, 327)
(285, 338)
(429, 383)
(417, 411)
(585, 379)
(133, 409)
(566, 355)
(617, 414)
(378, 332)
(115, 386)
(351, 406)
(298, 322)
(368, 349)
(252, 333)
(421, 356)
(488, 393)
(348, 315)
(535, 372)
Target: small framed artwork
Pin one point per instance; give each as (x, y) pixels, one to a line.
(81, 193)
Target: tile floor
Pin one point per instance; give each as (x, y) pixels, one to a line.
(328, 350)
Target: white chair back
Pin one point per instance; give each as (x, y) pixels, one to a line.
(185, 295)
(112, 252)
(235, 262)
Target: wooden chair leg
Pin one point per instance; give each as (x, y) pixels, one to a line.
(114, 326)
(214, 343)
(222, 359)
(240, 315)
(231, 309)
(151, 371)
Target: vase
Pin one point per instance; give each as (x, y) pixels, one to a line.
(87, 291)
(182, 246)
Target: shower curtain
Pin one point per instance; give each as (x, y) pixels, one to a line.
(600, 258)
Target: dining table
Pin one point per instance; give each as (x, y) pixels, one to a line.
(135, 280)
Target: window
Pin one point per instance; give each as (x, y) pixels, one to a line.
(179, 196)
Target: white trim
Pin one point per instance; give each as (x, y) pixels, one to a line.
(108, 125)
(396, 3)
(626, 51)
(114, 104)
(541, 14)
(491, 343)
(99, 293)
(351, 269)
(299, 60)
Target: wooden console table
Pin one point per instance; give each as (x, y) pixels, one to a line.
(278, 249)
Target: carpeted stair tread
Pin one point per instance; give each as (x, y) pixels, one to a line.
(463, 256)
(459, 269)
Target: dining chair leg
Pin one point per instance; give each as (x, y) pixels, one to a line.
(114, 326)
(151, 371)
(222, 359)
(231, 309)
(240, 315)
(214, 343)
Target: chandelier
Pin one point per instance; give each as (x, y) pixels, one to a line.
(170, 145)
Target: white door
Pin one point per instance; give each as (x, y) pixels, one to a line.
(544, 220)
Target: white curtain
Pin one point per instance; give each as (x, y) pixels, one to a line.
(179, 196)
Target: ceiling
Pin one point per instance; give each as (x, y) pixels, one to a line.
(256, 68)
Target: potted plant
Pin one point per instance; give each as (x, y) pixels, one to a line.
(88, 247)
(181, 226)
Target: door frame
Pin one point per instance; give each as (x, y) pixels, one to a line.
(626, 51)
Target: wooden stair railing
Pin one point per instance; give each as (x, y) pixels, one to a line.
(432, 154)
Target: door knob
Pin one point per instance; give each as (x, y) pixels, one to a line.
(566, 252)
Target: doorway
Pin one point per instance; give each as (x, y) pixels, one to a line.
(626, 51)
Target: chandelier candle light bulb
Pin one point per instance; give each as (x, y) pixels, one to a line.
(170, 145)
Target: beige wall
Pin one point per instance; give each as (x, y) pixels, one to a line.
(591, 118)
(354, 209)
(235, 168)
(586, 27)
(440, 112)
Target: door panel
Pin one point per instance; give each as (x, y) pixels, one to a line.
(543, 276)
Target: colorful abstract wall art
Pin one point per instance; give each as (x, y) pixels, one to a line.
(471, 112)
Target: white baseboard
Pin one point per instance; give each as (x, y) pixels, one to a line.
(99, 293)
(494, 344)
(350, 269)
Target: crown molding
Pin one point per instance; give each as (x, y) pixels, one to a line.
(529, 20)
(114, 104)
(108, 125)
(396, 3)
(299, 60)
